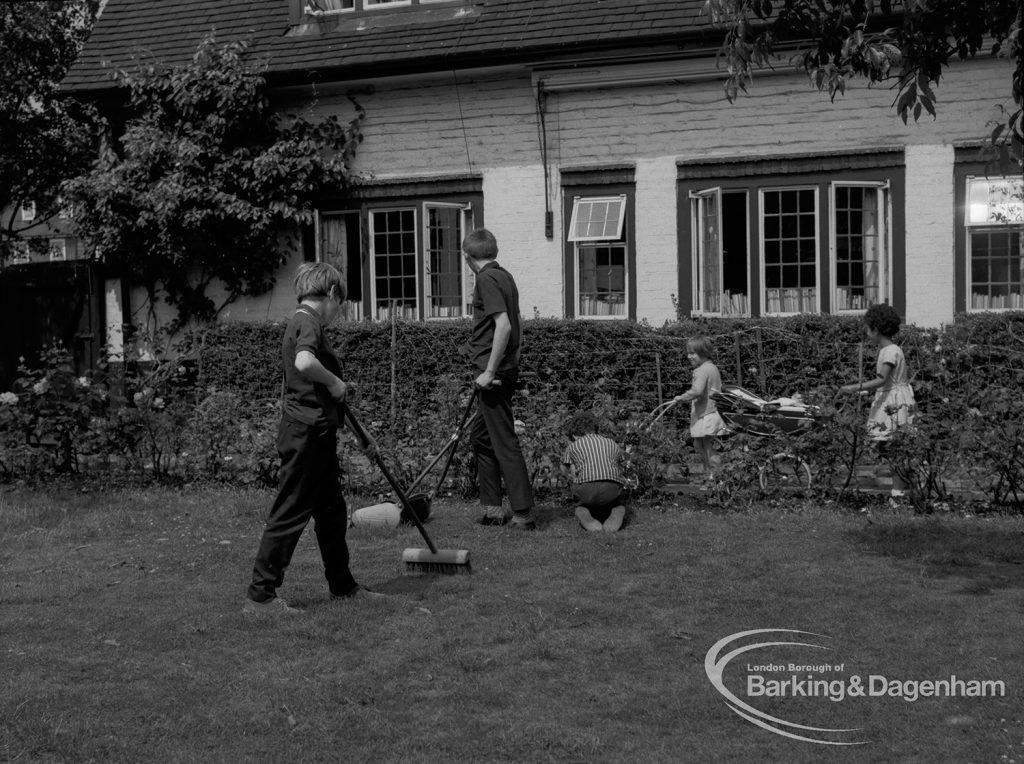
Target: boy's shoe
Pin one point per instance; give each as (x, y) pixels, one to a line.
(360, 592)
(495, 515)
(276, 606)
(523, 523)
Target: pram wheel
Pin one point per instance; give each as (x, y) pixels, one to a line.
(784, 472)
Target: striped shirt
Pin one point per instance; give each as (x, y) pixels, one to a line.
(594, 457)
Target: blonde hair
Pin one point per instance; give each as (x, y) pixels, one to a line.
(317, 280)
(701, 346)
(480, 244)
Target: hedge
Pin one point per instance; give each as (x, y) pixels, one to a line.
(218, 396)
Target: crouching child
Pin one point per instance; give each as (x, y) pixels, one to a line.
(593, 464)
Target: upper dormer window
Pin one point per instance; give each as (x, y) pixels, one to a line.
(319, 8)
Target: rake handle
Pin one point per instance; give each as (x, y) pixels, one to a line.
(449, 448)
(402, 497)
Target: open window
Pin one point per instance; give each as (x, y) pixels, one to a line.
(860, 245)
(597, 218)
(339, 242)
(995, 247)
(796, 234)
(597, 232)
(720, 252)
(417, 268)
(449, 280)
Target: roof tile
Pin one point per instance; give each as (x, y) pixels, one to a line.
(502, 29)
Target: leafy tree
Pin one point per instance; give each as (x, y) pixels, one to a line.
(207, 180)
(909, 43)
(44, 137)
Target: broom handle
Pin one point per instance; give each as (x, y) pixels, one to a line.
(449, 447)
(365, 440)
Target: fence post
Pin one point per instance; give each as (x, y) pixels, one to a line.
(657, 371)
(394, 364)
(739, 359)
(760, 360)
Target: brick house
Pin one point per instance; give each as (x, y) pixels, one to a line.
(594, 139)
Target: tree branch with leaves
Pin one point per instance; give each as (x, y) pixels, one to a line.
(208, 180)
(908, 44)
(45, 137)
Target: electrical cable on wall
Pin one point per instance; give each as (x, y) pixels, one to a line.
(462, 121)
(542, 138)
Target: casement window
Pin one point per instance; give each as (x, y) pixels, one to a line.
(789, 235)
(27, 213)
(721, 261)
(994, 222)
(860, 245)
(789, 249)
(410, 264)
(600, 256)
(339, 242)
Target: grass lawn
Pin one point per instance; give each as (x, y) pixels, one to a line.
(122, 637)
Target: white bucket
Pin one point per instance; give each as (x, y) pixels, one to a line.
(386, 515)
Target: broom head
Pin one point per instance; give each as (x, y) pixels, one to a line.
(452, 561)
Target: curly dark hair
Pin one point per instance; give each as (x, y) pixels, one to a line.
(883, 319)
(580, 423)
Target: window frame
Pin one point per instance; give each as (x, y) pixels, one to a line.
(574, 220)
(750, 174)
(361, 202)
(372, 259)
(967, 207)
(699, 255)
(885, 215)
(468, 277)
(354, 309)
(970, 229)
(599, 183)
(304, 10)
(761, 241)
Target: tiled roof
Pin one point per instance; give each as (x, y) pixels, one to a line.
(497, 31)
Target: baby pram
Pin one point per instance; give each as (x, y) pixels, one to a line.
(744, 412)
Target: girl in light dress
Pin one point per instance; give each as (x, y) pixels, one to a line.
(893, 406)
(705, 421)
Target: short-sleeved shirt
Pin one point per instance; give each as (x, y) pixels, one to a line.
(892, 355)
(495, 292)
(305, 400)
(594, 457)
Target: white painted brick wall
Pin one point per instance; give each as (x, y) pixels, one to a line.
(657, 248)
(930, 239)
(488, 125)
(514, 213)
(277, 305)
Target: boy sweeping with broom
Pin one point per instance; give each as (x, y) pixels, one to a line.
(307, 442)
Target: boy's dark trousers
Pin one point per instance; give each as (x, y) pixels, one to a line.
(498, 453)
(309, 487)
